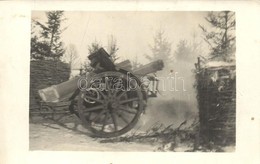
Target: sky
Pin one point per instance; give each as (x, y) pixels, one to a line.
(134, 31)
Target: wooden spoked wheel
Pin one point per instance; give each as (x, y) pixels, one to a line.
(110, 104)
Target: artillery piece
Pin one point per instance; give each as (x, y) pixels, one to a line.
(110, 99)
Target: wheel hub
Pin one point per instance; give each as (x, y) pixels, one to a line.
(111, 103)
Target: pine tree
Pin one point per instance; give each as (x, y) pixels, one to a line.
(36, 46)
(188, 50)
(161, 49)
(222, 37)
(184, 51)
(112, 48)
(94, 47)
(49, 44)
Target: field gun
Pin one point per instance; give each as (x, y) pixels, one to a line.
(110, 99)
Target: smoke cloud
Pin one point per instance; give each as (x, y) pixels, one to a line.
(172, 107)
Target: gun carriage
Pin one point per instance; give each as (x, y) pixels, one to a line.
(108, 100)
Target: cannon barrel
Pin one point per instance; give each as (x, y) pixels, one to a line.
(59, 92)
(149, 68)
(62, 91)
(65, 90)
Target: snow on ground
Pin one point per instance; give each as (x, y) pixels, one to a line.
(46, 136)
(53, 137)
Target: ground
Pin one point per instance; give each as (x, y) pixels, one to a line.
(46, 136)
(49, 136)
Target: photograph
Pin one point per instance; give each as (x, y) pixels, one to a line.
(132, 81)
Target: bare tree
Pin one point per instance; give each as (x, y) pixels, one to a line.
(196, 45)
(71, 56)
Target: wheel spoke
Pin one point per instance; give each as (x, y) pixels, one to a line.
(122, 94)
(114, 120)
(94, 108)
(104, 121)
(99, 115)
(88, 116)
(104, 96)
(125, 109)
(128, 100)
(123, 118)
(108, 86)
